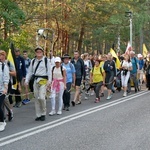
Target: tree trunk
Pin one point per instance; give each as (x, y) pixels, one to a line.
(80, 38)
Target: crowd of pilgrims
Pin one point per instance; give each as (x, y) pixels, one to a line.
(82, 76)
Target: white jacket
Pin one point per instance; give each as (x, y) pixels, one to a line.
(4, 77)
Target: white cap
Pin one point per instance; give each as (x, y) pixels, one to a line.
(140, 55)
(57, 59)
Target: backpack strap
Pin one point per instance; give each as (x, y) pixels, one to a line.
(45, 59)
(3, 65)
(46, 63)
(61, 68)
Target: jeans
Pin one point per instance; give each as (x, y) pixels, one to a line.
(66, 95)
(135, 81)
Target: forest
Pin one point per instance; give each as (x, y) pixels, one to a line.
(92, 26)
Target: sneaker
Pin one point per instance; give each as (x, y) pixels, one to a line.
(92, 92)
(124, 94)
(2, 126)
(86, 98)
(42, 118)
(53, 112)
(97, 100)
(25, 101)
(109, 97)
(78, 103)
(59, 112)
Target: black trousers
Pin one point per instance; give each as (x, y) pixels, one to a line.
(17, 98)
(2, 98)
(66, 95)
(148, 81)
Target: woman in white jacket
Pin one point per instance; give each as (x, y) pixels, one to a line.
(4, 80)
(125, 73)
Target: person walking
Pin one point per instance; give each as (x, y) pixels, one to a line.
(70, 80)
(21, 74)
(110, 70)
(4, 80)
(8, 103)
(134, 71)
(58, 86)
(40, 70)
(80, 74)
(27, 64)
(125, 73)
(147, 71)
(97, 79)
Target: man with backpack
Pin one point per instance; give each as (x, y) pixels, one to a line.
(134, 71)
(80, 74)
(39, 70)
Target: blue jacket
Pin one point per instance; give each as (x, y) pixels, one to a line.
(79, 67)
(21, 68)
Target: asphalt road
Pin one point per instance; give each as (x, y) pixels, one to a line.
(117, 124)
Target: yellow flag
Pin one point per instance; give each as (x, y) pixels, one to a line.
(117, 59)
(11, 60)
(145, 51)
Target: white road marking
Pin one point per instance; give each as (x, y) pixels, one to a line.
(44, 127)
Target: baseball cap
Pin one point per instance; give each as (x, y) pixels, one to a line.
(140, 55)
(57, 59)
(39, 48)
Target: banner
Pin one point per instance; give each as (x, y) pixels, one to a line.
(117, 59)
(11, 58)
(128, 49)
(145, 51)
